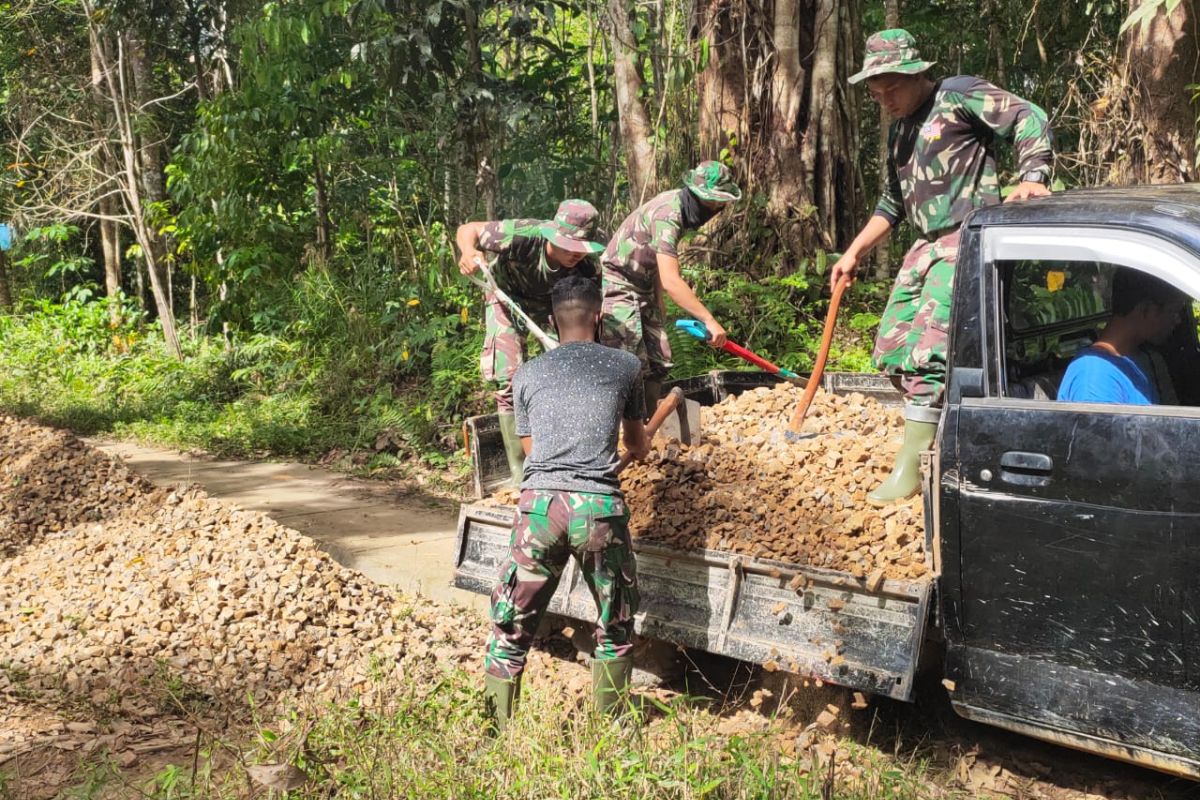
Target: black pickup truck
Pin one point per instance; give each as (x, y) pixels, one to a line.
(1065, 537)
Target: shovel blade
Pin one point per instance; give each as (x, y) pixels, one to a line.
(683, 424)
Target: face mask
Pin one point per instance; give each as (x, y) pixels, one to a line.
(694, 214)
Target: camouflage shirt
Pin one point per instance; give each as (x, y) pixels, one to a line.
(942, 159)
(521, 267)
(632, 254)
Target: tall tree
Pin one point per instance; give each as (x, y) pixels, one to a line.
(1162, 59)
(774, 100)
(637, 133)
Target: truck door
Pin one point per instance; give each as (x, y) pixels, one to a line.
(1071, 563)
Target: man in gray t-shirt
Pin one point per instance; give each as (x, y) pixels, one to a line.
(569, 405)
(573, 397)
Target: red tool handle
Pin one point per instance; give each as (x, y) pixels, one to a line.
(754, 359)
(667, 405)
(814, 380)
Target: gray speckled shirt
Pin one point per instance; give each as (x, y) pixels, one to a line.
(571, 401)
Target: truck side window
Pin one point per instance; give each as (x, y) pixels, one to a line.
(1053, 309)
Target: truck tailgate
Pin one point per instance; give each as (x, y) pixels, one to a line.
(831, 627)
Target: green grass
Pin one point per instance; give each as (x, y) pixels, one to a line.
(266, 396)
(425, 741)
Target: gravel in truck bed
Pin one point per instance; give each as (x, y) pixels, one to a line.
(744, 488)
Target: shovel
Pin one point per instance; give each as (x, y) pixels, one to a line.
(488, 284)
(793, 430)
(696, 328)
(672, 409)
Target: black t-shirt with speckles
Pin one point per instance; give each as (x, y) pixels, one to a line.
(571, 400)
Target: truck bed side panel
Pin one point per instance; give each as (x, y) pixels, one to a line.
(830, 627)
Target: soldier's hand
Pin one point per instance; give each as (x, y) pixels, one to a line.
(469, 263)
(846, 265)
(1026, 190)
(716, 334)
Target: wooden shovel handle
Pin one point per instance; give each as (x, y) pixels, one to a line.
(814, 380)
(665, 408)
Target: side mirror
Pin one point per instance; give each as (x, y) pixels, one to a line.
(965, 382)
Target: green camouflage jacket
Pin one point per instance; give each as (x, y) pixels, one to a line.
(521, 267)
(942, 159)
(632, 254)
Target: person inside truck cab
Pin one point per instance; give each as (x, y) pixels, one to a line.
(1117, 368)
(941, 166)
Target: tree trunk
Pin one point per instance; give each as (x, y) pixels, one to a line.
(476, 124)
(6, 301)
(130, 119)
(146, 174)
(1162, 60)
(109, 205)
(774, 99)
(321, 198)
(891, 15)
(635, 128)
(110, 244)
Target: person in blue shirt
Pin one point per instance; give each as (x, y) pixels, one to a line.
(1145, 311)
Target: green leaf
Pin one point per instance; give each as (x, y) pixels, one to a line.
(1142, 14)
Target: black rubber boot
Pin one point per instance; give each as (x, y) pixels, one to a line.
(512, 448)
(610, 684)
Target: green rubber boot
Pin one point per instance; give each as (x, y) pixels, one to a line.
(610, 684)
(512, 448)
(500, 701)
(905, 480)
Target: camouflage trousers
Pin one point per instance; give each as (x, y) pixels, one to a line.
(634, 321)
(505, 341)
(914, 333)
(552, 526)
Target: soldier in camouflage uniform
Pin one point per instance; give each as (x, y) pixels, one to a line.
(569, 405)
(941, 166)
(531, 256)
(641, 262)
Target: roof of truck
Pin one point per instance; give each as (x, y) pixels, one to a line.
(1171, 211)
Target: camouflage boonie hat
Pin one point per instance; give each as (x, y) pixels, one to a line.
(893, 50)
(712, 180)
(573, 226)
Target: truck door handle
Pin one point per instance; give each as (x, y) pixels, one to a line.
(1026, 469)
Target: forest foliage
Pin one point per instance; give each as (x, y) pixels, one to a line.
(234, 219)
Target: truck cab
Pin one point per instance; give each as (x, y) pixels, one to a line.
(1068, 534)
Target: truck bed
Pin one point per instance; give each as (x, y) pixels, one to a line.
(738, 607)
(830, 627)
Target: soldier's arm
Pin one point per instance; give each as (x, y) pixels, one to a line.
(633, 431)
(467, 239)
(889, 211)
(891, 200)
(521, 413)
(1009, 117)
(678, 290)
(877, 229)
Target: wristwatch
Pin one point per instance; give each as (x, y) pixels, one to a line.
(1040, 175)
